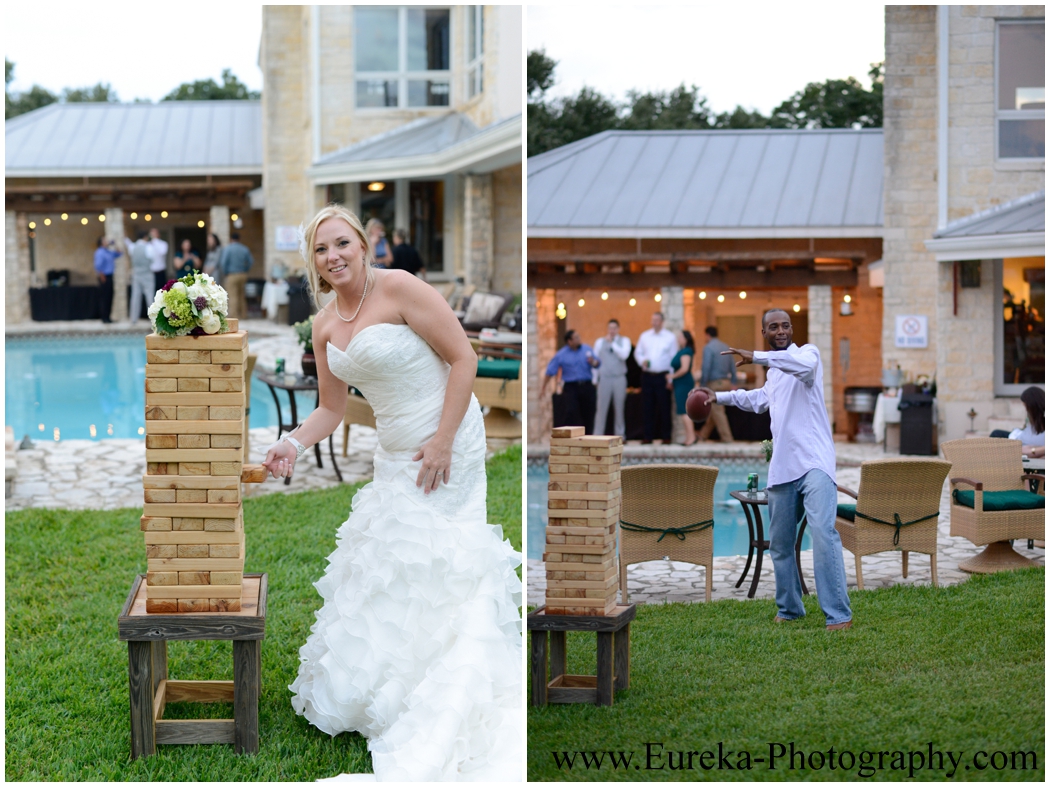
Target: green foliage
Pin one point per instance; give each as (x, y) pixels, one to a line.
(681, 108)
(836, 103)
(960, 666)
(16, 104)
(103, 92)
(208, 90)
(539, 73)
(304, 334)
(66, 689)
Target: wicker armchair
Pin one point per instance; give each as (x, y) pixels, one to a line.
(667, 511)
(990, 504)
(897, 507)
(358, 411)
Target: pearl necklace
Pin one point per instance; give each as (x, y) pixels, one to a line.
(364, 292)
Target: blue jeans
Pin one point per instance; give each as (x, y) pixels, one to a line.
(815, 495)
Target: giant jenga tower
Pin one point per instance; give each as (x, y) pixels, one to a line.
(583, 509)
(192, 517)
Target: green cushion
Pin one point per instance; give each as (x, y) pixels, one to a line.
(1010, 500)
(499, 367)
(847, 511)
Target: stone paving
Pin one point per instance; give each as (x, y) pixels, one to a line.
(663, 581)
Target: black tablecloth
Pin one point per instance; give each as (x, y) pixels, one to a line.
(64, 303)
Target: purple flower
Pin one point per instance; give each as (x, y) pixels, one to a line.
(200, 302)
(169, 285)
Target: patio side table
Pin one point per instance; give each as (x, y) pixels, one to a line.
(614, 656)
(758, 543)
(149, 687)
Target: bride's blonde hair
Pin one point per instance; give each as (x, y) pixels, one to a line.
(306, 247)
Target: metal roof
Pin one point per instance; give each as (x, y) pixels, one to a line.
(723, 183)
(420, 137)
(1025, 214)
(136, 140)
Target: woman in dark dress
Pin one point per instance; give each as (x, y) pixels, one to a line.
(186, 260)
(681, 379)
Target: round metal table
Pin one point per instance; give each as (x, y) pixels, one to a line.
(758, 543)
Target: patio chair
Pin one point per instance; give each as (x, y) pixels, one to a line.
(990, 504)
(667, 511)
(358, 411)
(896, 509)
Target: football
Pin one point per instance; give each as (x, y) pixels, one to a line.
(697, 405)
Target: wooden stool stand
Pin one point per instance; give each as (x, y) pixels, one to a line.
(149, 688)
(614, 656)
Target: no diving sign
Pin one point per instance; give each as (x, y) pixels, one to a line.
(911, 330)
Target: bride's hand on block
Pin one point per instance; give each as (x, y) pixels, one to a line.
(436, 456)
(280, 459)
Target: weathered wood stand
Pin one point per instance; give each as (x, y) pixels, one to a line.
(148, 634)
(614, 656)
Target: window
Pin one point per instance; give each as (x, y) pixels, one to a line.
(401, 56)
(1020, 90)
(1020, 324)
(475, 49)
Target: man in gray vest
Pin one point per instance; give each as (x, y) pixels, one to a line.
(235, 263)
(142, 280)
(612, 351)
(717, 372)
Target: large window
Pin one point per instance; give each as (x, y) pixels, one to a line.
(475, 49)
(1020, 90)
(401, 56)
(1021, 327)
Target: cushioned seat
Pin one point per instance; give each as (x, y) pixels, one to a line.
(507, 368)
(1009, 500)
(847, 511)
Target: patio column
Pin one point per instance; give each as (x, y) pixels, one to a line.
(115, 231)
(672, 307)
(219, 222)
(16, 265)
(477, 223)
(542, 344)
(820, 318)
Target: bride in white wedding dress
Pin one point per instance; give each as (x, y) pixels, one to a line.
(418, 643)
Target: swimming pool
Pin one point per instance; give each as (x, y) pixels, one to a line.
(92, 388)
(731, 536)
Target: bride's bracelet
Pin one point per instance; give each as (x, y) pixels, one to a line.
(300, 449)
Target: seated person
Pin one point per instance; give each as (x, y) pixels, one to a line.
(1032, 435)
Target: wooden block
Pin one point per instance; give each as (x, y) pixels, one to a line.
(191, 399)
(609, 531)
(567, 431)
(184, 523)
(160, 413)
(225, 604)
(226, 412)
(590, 441)
(162, 578)
(584, 478)
(227, 441)
(162, 550)
(192, 509)
(573, 504)
(196, 412)
(221, 550)
(220, 525)
(194, 605)
(192, 591)
(587, 576)
(195, 455)
(223, 495)
(253, 474)
(190, 482)
(219, 341)
(195, 550)
(162, 356)
(162, 468)
(226, 577)
(176, 537)
(194, 468)
(194, 370)
(608, 562)
(161, 441)
(588, 549)
(229, 356)
(557, 469)
(227, 384)
(602, 585)
(155, 523)
(226, 468)
(587, 603)
(194, 384)
(195, 356)
(606, 497)
(187, 441)
(161, 385)
(163, 606)
(604, 513)
(194, 577)
(195, 427)
(603, 469)
(190, 496)
(552, 538)
(587, 459)
(557, 504)
(195, 564)
(159, 495)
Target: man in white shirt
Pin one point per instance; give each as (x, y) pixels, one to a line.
(802, 471)
(612, 350)
(654, 352)
(158, 250)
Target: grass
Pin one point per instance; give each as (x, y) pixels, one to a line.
(68, 573)
(960, 667)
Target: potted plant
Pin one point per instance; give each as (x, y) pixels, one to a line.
(304, 332)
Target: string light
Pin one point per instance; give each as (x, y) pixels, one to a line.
(134, 215)
(581, 302)
(846, 298)
(32, 225)
(560, 311)
(84, 220)
(796, 308)
(632, 302)
(65, 216)
(47, 222)
(605, 296)
(200, 224)
(234, 217)
(164, 214)
(102, 217)
(743, 295)
(147, 217)
(703, 295)
(658, 297)
(376, 186)
(721, 299)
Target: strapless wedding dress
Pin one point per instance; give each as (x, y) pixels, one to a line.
(418, 644)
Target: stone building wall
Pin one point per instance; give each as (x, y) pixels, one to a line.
(506, 194)
(542, 344)
(16, 268)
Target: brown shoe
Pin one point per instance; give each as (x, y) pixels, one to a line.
(840, 626)
(779, 619)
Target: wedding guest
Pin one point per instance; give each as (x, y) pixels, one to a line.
(377, 237)
(575, 361)
(235, 263)
(158, 249)
(142, 275)
(212, 257)
(654, 351)
(612, 351)
(105, 261)
(187, 260)
(1032, 435)
(680, 380)
(405, 256)
(717, 372)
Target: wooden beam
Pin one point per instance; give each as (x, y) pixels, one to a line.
(729, 279)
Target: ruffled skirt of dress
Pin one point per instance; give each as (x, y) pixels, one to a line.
(418, 644)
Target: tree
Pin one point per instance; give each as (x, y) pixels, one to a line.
(207, 90)
(540, 73)
(19, 103)
(680, 108)
(103, 92)
(835, 103)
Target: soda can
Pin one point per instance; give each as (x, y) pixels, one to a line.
(752, 482)
(278, 366)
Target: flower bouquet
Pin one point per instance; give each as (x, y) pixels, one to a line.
(191, 306)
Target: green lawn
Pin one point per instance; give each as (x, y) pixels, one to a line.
(961, 668)
(68, 573)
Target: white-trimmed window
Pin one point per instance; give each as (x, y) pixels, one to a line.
(1020, 88)
(1020, 328)
(475, 49)
(401, 56)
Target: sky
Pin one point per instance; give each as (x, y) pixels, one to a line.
(144, 50)
(755, 54)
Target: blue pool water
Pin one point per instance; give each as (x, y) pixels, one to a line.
(730, 524)
(93, 387)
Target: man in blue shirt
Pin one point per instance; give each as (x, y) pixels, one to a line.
(718, 373)
(105, 260)
(235, 263)
(575, 361)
